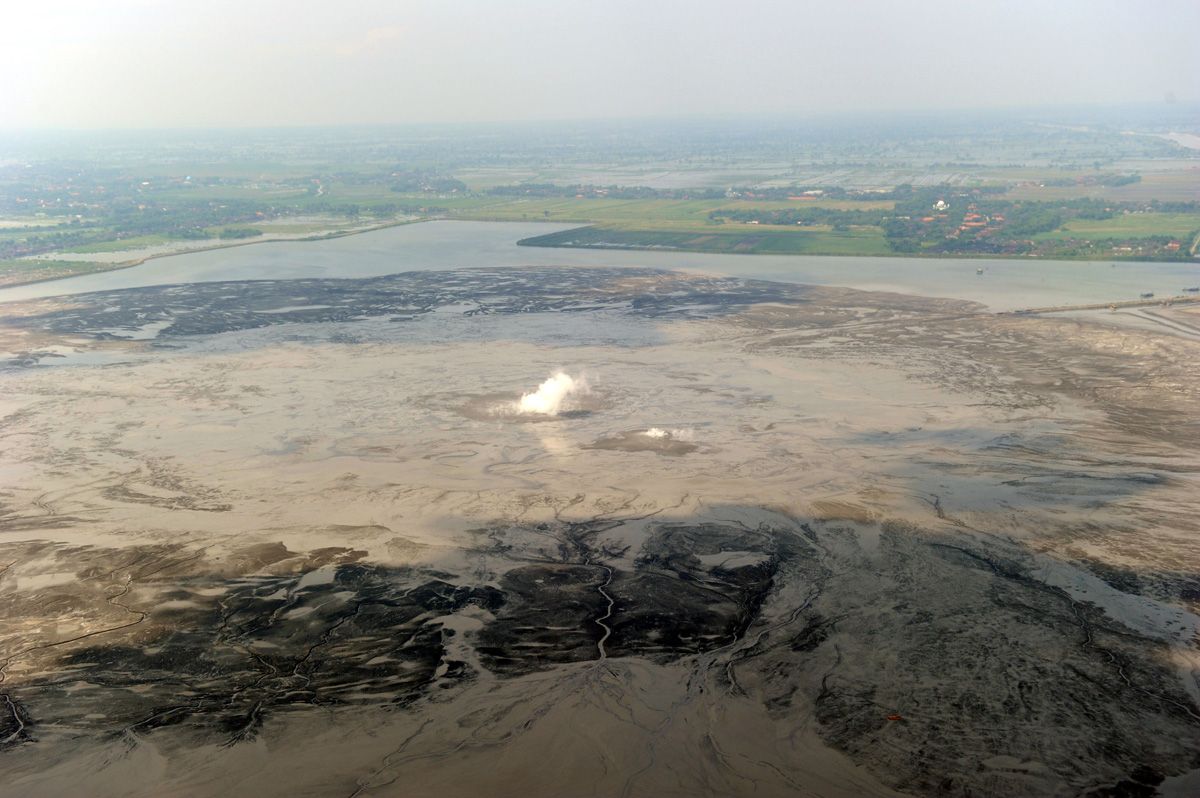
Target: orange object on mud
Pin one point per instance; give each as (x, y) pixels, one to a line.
(895, 717)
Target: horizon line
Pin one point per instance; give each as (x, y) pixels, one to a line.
(726, 117)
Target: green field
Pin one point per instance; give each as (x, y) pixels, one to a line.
(762, 240)
(1134, 225)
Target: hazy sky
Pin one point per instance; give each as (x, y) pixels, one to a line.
(173, 63)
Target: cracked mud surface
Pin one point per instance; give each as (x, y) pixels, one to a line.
(266, 538)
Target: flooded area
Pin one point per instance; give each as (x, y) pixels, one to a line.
(443, 245)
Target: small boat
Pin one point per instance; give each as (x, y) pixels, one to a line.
(979, 270)
(1147, 295)
(1195, 289)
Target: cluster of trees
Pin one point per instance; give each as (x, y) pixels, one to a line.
(1105, 179)
(918, 226)
(1157, 247)
(180, 215)
(187, 220)
(239, 232)
(1120, 180)
(18, 247)
(125, 214)
(127, 218)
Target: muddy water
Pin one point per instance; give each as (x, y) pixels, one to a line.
(1004, 284)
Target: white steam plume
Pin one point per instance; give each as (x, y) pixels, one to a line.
(548, 399)
(673, 434)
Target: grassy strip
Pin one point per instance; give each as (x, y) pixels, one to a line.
(1133, 225)
(762, 241)
(119, 244)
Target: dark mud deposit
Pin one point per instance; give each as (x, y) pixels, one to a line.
(207, 308)
(970, 653)
(220, 654)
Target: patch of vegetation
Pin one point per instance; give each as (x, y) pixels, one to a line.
(946, 221)
(929, 221)
(239, 232)
(852, 241)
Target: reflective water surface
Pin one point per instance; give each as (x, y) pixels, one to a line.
(1003, 285)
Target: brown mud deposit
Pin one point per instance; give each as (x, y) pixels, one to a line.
(279, 545)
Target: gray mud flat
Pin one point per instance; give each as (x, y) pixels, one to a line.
(275, 538)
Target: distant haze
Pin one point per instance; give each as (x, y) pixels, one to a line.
(219, 63)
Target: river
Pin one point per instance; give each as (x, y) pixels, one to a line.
(443, 245)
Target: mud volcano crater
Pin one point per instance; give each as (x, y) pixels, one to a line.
(506, 407)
